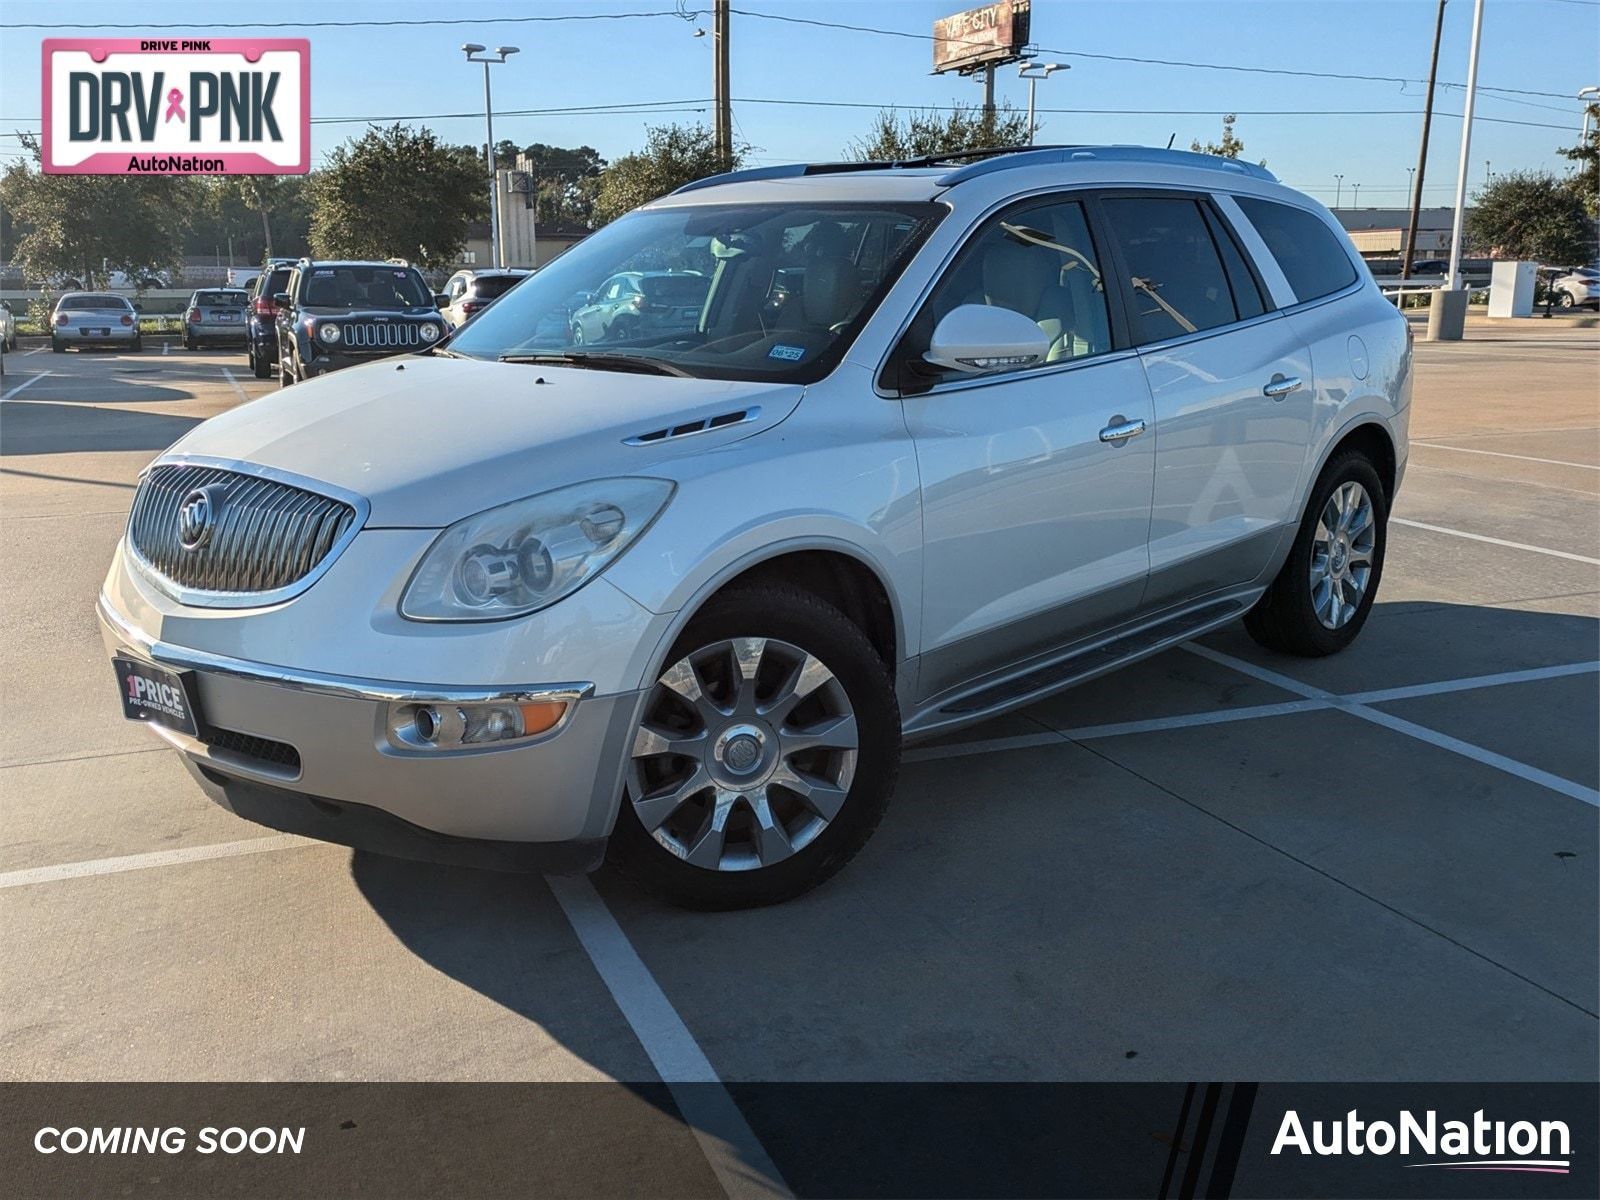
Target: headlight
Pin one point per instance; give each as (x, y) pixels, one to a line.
(329, 332)
(526, 555)
(430, 332)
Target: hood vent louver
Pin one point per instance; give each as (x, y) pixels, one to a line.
(690, 428)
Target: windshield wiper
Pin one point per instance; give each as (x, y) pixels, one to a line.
(637, 363)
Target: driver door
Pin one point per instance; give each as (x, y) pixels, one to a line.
(1036, 522)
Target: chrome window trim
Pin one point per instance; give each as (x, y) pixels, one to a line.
(203, 598)
(344, 687)
(961, 383)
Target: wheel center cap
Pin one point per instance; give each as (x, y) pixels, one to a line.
(741, 751)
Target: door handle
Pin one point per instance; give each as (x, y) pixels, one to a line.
(1120, 430)
(1281, 386)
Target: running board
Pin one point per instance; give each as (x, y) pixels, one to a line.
(1077, 667)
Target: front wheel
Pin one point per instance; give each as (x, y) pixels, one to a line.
(1565, 300)
(259, 367)
(765, 755)
(1322, 596)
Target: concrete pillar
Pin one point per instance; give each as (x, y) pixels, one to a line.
(1447, 315)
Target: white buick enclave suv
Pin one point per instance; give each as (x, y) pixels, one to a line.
(941, 438)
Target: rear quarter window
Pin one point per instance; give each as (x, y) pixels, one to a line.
(1309, 253)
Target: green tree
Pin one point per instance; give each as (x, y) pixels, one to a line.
(1531, 216)
(1231, 146)
(931, 132)
(673, 156)
(87, 226)
(568, 180)
(397, 192)
(1586, 182)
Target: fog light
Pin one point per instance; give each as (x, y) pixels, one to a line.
(460, 726)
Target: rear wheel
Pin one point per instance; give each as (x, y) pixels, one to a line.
(765, 756)
(1565, 300)
(138, 345)
(259, 367)
(1322, 596)
(56, 346)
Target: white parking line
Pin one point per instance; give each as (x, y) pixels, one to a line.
(1350, 705)
(1494, 541)
(25, 385)
(158, 858)
(37, 350)
(227, 374)
(1554, 462)
(166, 346)
(731, 1149)
(1471, 683)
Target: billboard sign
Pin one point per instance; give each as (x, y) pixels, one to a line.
(169, 106)
(981, 37)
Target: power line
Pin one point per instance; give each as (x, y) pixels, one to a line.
(1158, 62)
(682, 15)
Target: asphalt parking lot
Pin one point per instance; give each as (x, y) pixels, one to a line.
(1221, 864)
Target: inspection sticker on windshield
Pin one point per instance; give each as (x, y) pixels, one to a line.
(177, 106)
(788, 353)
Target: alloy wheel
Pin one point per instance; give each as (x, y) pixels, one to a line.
(1341, 554)
(745, 754)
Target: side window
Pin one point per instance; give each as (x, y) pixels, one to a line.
(1311, 256)
(1038, 261)
(456, 288)
(1175, 282)
(1248, 296)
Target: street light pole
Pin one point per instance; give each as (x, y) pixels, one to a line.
(1590, 94)
(1338, 193)
(1033, 72)
(472, 50)
(1454, 282)
(1356, 202)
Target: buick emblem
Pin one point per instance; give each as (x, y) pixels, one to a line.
(197, 515)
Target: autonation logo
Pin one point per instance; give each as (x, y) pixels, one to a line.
(1476, 1145)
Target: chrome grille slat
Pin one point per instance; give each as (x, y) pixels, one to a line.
(268, 536)
(376, 335)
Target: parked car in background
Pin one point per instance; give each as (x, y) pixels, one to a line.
(1021, 418)
(144, 281)
(216, 316)
(8, 326)
(261, 317)
(1578, 288)
(341, 314)
(241, 277)
(94, 319)
(470, 292)
(638, 303)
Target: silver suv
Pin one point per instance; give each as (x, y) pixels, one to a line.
(943, 438)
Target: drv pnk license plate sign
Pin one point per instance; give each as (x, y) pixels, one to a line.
(177, 106)
(152, 693)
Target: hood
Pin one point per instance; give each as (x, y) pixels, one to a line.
(431, 440)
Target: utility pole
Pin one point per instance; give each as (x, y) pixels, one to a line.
(722, 121)
(1356, 203)
(472, 50)
(1422, 154)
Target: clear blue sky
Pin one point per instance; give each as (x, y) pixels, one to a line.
(1543, 46)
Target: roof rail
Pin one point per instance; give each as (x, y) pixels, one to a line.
(990, 159)
(795, 170)
(1043, 156)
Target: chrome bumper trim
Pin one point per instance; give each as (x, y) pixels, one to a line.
(344, 686)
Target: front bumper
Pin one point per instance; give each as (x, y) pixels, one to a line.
(546, 803)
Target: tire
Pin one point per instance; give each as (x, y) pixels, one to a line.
(1294, 615)
(285, 370)
(1565, 300)
(56, 346)
(622, 329)
(138, 346)
(259, 367)
(788, 634)
(577, 334)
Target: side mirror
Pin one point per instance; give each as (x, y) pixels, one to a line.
(979, 338)
(280, 300)
(440, 300)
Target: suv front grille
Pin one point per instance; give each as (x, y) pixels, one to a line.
(381, 335)
(264, 535)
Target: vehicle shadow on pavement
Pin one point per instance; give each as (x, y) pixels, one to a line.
(48, 427)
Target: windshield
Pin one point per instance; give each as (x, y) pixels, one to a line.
(758, 292)
(220, 299)
(365, 287)
(71, 303)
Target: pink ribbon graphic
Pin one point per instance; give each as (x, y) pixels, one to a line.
(175, 105)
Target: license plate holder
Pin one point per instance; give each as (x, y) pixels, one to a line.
(158, 695)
